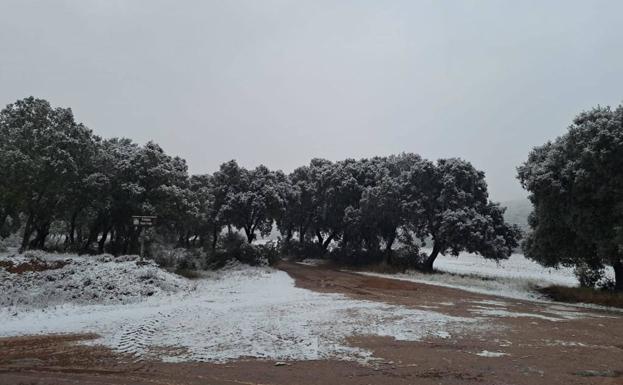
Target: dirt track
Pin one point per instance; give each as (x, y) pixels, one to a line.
(541, 347)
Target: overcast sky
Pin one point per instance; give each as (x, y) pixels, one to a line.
(281, 82)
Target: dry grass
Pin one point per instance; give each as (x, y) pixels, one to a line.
(33, 265)
(583, 295)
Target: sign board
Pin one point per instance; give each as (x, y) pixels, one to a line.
(144, 220)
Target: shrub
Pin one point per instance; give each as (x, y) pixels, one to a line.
(588, 276)
(13, 240)
(231, 241)
(234, 247)
(35, 254)
(355, 257)
(300, 250)
(179, 258)
(407, 258)
(269, 253)
(105, 258)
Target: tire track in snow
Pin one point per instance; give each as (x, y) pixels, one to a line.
(138, 336)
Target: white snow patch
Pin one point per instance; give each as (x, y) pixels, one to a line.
(516, 277)
(486, 353)
(312, 262)
(564, 343)
(517, 267)
(491, 302)
(442, 334)
(511, 314)
(85, 280)
(241, 312)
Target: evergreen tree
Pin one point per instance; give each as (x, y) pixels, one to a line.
(576, 187)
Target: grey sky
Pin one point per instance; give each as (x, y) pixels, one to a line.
(280, 82)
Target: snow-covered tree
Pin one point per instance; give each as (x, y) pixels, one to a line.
(576, 187)
(203, 213)
(43, 151)
(255, 202)
(336, 192)
(447, 202)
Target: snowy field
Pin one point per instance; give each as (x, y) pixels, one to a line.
(237, 312)
(84, 280)
(516, 277)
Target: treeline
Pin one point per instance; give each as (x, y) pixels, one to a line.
(57, 177)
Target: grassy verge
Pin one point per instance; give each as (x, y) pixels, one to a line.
(583, 295)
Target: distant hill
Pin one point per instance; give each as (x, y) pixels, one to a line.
(517, 212)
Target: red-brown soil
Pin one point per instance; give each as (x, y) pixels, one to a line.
(587, 350)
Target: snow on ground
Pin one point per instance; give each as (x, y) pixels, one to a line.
(239, 312)
(486, 353)
(516, 277)
(82, 280)
(516, 267)
(313, 262)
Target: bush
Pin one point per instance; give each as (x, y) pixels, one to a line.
(300, 250)
(231, 241)
(35, 254)
(356, 257)
(589, 276)
(607, 284)
(105, 258)
(187, 259)
(407, 258)
(13, 240)
(400, 259)
(235, 247)
(269, 253)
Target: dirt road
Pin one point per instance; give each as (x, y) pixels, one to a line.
(520, 343)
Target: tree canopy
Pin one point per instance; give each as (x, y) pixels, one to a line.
(576, 187)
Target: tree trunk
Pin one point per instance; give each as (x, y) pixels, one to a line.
(3, 216)
(72, 228)
(301, 235)
(249, 232)
(42, 233)
(325, 244)
(428, 264)
(389, 242)
(618, 276)
(388, 256)
(90, 239)
(102, 241)
(79, 237)
(28, 230)
(319, 236)
(214, 238)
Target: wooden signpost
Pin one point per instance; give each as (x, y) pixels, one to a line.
(141, 221)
